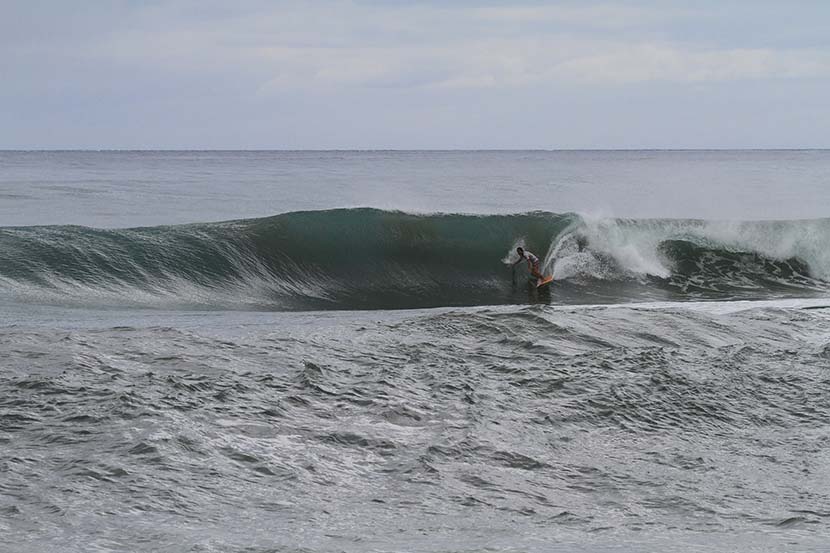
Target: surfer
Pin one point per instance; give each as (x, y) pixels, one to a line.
(532, 263)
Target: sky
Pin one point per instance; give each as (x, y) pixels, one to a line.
(394, 74)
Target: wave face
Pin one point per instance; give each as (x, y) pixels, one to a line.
(373, 259)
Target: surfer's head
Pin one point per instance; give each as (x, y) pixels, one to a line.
(520, 251)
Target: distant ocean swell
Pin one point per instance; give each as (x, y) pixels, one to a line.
(373, 259)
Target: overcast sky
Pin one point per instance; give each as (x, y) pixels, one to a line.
(399, 74)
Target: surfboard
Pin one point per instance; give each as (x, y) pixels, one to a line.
(545, 281)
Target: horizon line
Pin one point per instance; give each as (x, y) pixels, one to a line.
(312, 150)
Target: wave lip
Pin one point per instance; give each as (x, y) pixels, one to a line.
(372, 259)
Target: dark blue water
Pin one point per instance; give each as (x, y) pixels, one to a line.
(329, 351)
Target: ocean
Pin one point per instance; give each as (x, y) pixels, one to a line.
(331, 351)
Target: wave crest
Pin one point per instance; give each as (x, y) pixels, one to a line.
(373, 259)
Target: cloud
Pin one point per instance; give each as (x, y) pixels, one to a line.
(594, 16)
(340, 43)
(645, 63)
(290, 46)
(537, 63)
(280, 64)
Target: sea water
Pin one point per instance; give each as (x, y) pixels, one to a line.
(332, 351)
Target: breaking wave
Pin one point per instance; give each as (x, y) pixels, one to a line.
(372, 259)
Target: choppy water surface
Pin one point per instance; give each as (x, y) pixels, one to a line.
(531, 428)
(253, 385)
